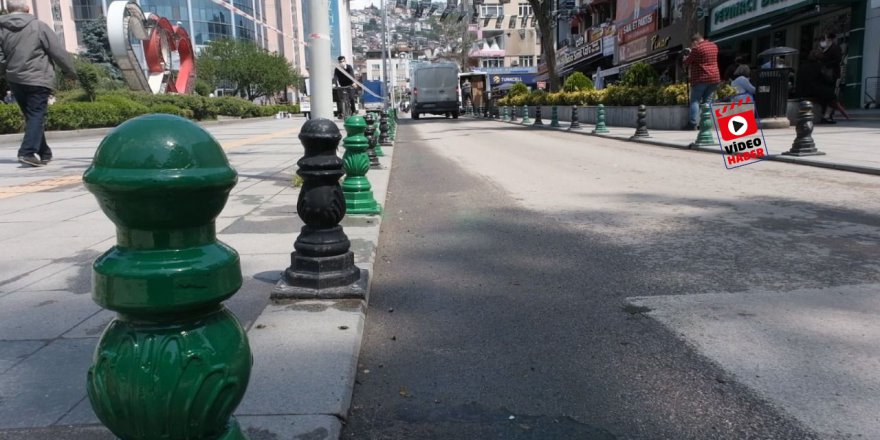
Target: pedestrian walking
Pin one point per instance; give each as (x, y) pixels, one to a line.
(830, 56)
(29, 50)
(816, 85)
(701, 59)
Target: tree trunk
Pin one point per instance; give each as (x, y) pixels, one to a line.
(543, 12)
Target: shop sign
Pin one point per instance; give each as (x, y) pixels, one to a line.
(595, 33)
(632, 50)
(659, 42)
(586, 51)
(734, 12)
(510, 70)
(504, 79)
(609, 31)
(608, 46)
(637, 28)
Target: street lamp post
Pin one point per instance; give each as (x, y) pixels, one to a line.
(384, 55)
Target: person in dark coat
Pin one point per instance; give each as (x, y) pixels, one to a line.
(817, 86)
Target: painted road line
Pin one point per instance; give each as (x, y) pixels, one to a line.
(76, 179)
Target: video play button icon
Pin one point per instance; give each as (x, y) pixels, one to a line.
(737, 125)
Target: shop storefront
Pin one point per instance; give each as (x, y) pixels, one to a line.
(591, 50)
(748, 27)
(655, 37)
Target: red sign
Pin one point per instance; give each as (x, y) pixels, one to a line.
(637, 28)
(742, 142)
(737, 125)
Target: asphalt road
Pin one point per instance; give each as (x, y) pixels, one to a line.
(498, 307)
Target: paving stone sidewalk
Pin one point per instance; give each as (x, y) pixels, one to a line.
(305, 352)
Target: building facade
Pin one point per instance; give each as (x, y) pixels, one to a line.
(506, 36)
(272, 24)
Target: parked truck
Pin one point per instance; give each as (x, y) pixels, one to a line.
(435, 90)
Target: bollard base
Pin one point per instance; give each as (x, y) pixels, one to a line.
(601, 131)
(699, 144)
(233, 432)
(803, 153)
(324, 280)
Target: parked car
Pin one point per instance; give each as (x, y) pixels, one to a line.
(435, 90)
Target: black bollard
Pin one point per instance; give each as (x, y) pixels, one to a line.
(322, 264)
(372, 139)
(641, 124)
(383, 129)
(803, 144)
(538, 120)
(575, 124)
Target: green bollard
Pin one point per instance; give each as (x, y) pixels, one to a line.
(175, 363)
(525, 119)
(356, 188)
(505, 111)
(705, 137)
(554, 117)
(600, 120)
(392, 125)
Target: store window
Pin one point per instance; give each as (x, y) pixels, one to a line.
(492, 62)
(525, 9)
(491, 11)
(527, 61)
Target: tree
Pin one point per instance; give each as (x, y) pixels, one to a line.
(97, 46)
(543, 10)
(454, 35)
(251, 71)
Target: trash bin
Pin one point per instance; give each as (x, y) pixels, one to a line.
(771, 92)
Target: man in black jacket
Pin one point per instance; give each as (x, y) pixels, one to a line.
(345, 82)
(28, 50)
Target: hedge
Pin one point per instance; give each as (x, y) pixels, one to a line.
(674, 94)
(74, 112)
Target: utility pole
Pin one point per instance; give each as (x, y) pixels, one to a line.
(319, 53)
(384, 55)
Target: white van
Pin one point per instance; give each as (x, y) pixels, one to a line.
(435, 90)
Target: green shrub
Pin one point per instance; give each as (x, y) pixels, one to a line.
(75, 95)
(640, 74)
(537, 97)
(171, 109)
(203, 88)
(79, 115)
(232, 106)
(518, 89)
(11, 119)
(127, 108)
(724, 91)
(89, 77)
(202, 108)
(577, 81)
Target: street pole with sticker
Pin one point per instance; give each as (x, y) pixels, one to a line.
(741, 139)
